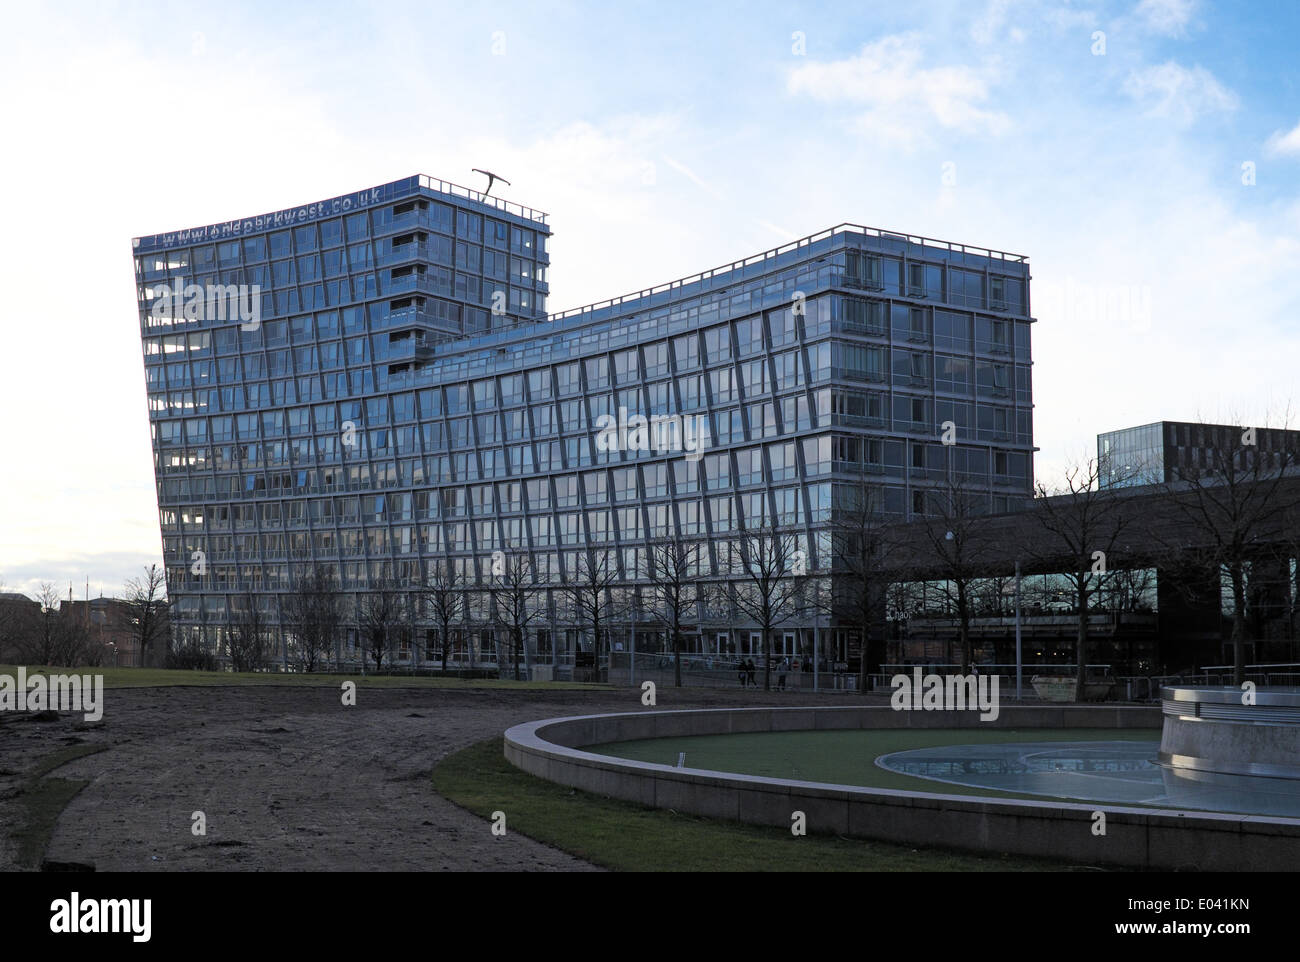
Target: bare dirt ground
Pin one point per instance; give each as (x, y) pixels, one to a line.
(289, 779)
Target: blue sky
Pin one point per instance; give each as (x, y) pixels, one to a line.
(663, 139)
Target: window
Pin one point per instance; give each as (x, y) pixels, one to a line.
(566, 491)
(566, 376)
(625, 484)
(782, 458)
(594, 487)
(749, 466)
(861, 361)
(723, 384)
(723, 514)
(916, 317)
(862, 270)
(686, 352)
(512, 389)
(625, 367)
(655, 478)
(597, 373)
(656, 359)
(755, 377)
(717, 344)
(685, 476)
(749, 336)
(539, 385)
(717, 471)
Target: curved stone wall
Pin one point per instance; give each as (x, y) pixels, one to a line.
(1209, 729)
(1136, 837)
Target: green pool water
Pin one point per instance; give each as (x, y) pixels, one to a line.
(848, 757)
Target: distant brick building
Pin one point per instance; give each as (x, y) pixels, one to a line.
(16, 612)
(108, 622)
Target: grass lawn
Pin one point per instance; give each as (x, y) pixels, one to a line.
(162, 677)
(847, 757)
(626, 837)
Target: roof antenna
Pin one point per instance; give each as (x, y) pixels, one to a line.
(492, 179)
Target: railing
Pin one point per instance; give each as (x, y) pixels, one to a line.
(518, 210)
(724, 671)
(742, 267)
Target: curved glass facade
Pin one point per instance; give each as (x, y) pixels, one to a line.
(372, 383)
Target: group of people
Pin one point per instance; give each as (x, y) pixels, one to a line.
(746, 670)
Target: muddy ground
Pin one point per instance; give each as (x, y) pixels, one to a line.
(291, 780)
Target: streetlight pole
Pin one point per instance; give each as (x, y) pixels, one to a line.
(1018, 659)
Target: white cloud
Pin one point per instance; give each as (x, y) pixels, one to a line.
(902, 97)
(1169, 17)
(1178, 93)
(1068, 19)
(1284, 143)
(986, 28)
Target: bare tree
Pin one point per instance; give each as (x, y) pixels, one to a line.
(674, 569)
(246, 636)
(715, 604)
(587, 594)
(515, 609)
(769, 593)
(957, 536)
(860, 542)
(10, 618)
(1128, 589)
(146, 610)
(73, 644)
(313, 615)
(1081, 524)
(444, 593)
(40, 639)
(383, 617)
(1235, 504)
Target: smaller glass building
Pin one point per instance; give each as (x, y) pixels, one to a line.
(1132, 456)
(1172, 450)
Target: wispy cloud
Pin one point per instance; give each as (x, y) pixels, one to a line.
(903, 97)
(1179, 93)
(690, 175)
(1284, 143)
(1169, 17)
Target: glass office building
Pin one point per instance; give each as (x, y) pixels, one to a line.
(372, 383)
(1132, 457)
(1170, 451)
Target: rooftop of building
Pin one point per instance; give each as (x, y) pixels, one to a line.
(623, 309)
(1204, 425)
(359, 200)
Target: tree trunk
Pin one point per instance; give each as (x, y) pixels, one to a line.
(862, 656)
(677, 657)
(767, 659)
(1081, 643)
(1238, 626)
(963, 613)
